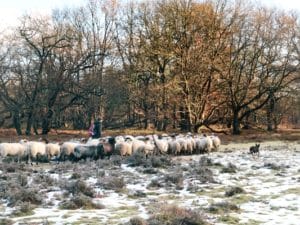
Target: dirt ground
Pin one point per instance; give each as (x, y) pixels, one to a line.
(9, 135)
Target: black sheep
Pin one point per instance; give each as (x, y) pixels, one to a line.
(254, 150)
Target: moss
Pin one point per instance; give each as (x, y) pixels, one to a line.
(123, 212)
(253, 222)
(90, 221)
(241, 199)
(128, 208)
(213, 193)
(229, 219)
(292, 191)
(223, 207)
(6, 221)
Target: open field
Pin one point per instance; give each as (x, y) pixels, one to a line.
(225, 187)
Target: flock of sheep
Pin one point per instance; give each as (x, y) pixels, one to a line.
(95, 149)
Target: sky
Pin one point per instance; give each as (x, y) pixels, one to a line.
(11, 10)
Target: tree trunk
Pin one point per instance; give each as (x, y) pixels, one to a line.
(29, 123)
(236, 123)
(17, 123)
(46, 122)
(185, 124)
(196, 127)
(270, 112)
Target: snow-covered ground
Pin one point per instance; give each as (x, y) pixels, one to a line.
(270, 184)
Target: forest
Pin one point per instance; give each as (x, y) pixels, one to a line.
(161, 65)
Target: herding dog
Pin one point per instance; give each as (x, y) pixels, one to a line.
(254, 150)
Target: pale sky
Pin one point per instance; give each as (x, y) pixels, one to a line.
(11, 10)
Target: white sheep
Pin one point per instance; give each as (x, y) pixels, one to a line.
(12, 149)
(148, 148)
(204, 144)
(191, 145)
(174, 147)
(124, 148)
(35, 149)
(92, 141)
(137, 144)
(52, 149)
(216, 142)
(161, 144)
(67, 149)
(183, 144)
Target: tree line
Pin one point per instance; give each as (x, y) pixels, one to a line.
(163, 64)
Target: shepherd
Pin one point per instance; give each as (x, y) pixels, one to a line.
(91, 129)
(97, 129)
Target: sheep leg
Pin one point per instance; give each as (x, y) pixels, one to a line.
(37, 159)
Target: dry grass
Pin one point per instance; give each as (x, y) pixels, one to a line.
(9, 135)
(80, 202)
(174, 215)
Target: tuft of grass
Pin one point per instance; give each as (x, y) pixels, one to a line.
(155, 183)
(24, 209)
(175, 178)
(230, 168)
(272, 166)
(22, 195)
(75, 176)
(79, 187)
(204, 174)
(233, 191)
(160, 161)
(229, 219)
(223, 207)
(137, 221)
(204, 161)
(80, 202)
(22, 179)
(174, 215)
(150, 170)
(292, 191)
(6, 221)
(112, 183)
(137, 159)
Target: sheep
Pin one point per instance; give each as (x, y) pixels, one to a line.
(161, 144)
(136, 145)
(204, 144)
(13, 149)
(216, 142)
(254, 150)
(52, 149)
(119, 139)
(147, 149)
(107, 149)
(124, 148)
(92, 141)
(35, 149)
(86, 151)
(67, 150)
(183, 144)
(174, 147)
(200, 145)
(191, 145)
